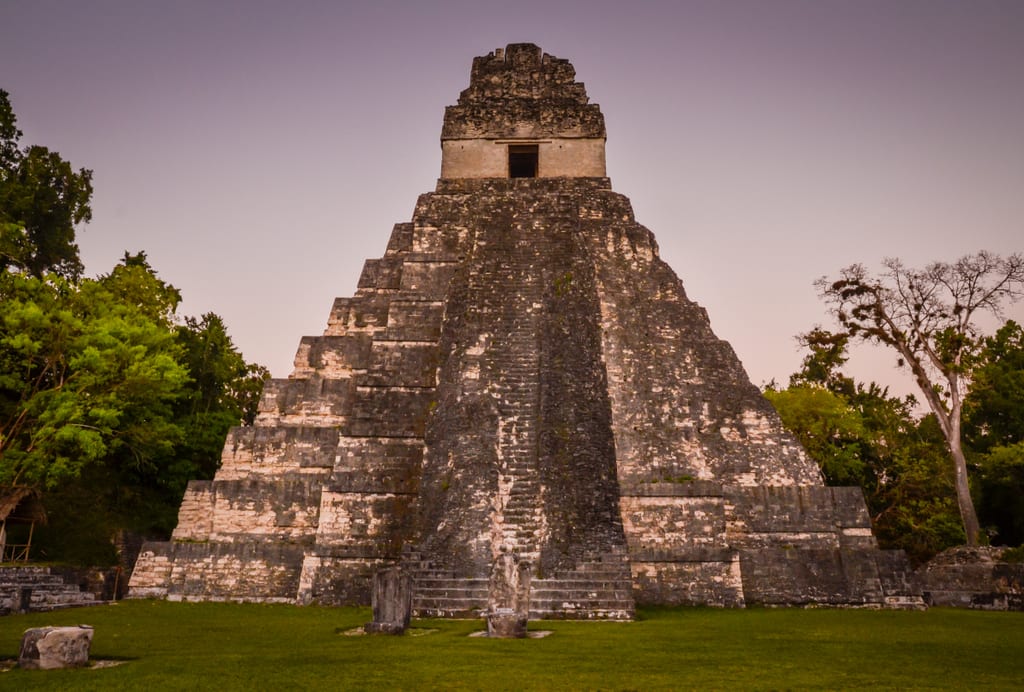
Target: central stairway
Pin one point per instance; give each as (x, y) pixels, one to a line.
(599, 589)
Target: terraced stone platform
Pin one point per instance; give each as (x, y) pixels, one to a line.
(521, 375)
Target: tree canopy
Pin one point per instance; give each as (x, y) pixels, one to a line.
(109, 401)
(42, 199)
(994, 433)
(860, 435)
(928, 317)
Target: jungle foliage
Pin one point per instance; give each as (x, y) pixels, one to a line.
(861, 435)
(110, 402)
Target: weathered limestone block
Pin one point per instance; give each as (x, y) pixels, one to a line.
(266, 508)
(791, 576)
(363, 523)
(857, 577)
(332, 356)
(195, 517)
(312, 401)
(338, 580)
(427, 278)
(400, 240)
(49, 648)
(377, 465)
(390, 411)
(401, 364)
(258, 572)
(278, 450)
(384, 273)
(415, 320)
(366, 314)
(787, 516)
(698, 583)
(151, 575)
(672, 524)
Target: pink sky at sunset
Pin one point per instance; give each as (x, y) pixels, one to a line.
(259, 152)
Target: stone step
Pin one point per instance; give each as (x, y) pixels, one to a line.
(47, 591)
(621, 613)
(425, 594)
(545, 595)
(456, 602)
(553, 604)
(520, 509)
(455, 614)
(434, 580)
(32, 579)
(582, 585)
(605, 573)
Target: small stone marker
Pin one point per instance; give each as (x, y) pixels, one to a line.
(392, 602)
(47, 648)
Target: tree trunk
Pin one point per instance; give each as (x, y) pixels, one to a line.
(963, 494)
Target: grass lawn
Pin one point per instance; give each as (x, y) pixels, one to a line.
(167, 646)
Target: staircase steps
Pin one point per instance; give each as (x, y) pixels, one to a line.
(48, 591)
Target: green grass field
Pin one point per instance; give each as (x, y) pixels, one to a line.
(168, 646)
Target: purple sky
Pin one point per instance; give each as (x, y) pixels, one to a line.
(260, 151)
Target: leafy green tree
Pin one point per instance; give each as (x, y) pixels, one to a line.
(913, 506)
(860, 435)
(994, 410)
(224, 392)
(821, 366)
(828, 427)
(108, 403)
(83, 375)
(927, 316)
(42, 199)
(1000, 481)
(994, 433)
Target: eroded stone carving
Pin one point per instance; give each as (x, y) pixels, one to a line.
(509, 598)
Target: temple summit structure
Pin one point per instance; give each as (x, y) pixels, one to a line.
(521, 399)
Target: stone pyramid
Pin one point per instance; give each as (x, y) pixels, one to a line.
(521, 380)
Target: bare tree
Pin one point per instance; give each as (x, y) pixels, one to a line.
(927, 316)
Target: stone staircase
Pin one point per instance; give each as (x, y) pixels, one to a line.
(599, 589)
(441, 594)
(36, 589)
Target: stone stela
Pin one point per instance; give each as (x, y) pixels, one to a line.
(522, 409)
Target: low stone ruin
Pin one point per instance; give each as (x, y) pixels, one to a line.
(976, 578)
(35, 589)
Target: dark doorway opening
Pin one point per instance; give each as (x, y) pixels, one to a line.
(522, 160)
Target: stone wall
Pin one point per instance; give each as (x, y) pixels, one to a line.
(976, 578)
(557, 158)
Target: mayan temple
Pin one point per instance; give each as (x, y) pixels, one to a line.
(521, 381)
